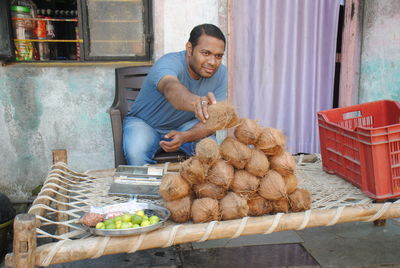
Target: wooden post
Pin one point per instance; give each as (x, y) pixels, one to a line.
(61, 156)
(24, 244)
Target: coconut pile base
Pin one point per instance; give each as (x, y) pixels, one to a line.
(334, 201)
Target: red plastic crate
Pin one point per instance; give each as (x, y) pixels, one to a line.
(361, 143)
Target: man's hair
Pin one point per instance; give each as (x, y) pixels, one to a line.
(208, 29)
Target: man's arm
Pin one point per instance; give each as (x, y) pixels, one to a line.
(182, 99)
(197, 132)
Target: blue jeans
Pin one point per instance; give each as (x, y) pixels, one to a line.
(141, 142)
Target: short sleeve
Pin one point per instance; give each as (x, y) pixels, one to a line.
(166, 65)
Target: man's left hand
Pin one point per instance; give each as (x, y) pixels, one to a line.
(177, 139)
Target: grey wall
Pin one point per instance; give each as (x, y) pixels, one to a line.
(380, 57)
(43, 109)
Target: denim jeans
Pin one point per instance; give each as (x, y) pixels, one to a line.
(141, 142)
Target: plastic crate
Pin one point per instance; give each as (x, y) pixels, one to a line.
(361, 143)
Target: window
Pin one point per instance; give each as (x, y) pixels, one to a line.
(77, 30)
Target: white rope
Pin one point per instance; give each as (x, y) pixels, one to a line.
(101, 247)
(306, 219)
(239, 231)
(49, 257)
(274, 223)
(336, 217)
(138, 243)
(209, 229)
(172, 235)
(381, 211)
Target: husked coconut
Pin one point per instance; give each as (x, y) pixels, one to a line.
(248, 131)
(281, 205)
(222, 115)
(233, 206)
(193, 171)
(300, 200)
(221, 174)
(244, 183)
(210, 190)
(205, 210)
(272, 186)
(283, 163)
(258, 205)
(291, 183)
(207, 150)
(258, 164)
(180, 209)
(173, 187)
(235, 152)
(271, 141)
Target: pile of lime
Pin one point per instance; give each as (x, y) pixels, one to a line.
(128, 220)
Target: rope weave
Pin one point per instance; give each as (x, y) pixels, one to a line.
(209, 229)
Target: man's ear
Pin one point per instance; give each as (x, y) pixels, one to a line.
(189, 48)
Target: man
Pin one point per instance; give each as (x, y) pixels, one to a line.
(171, 107)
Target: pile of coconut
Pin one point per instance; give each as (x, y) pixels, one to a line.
(250, 174)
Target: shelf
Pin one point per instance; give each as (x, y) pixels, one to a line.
(116, 41)
(121, 21)
(43, 19)
(49, 40)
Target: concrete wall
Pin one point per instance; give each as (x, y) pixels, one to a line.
(43, 109)
(380, 57)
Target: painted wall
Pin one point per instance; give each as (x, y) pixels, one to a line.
(43, 109)
(380, 57)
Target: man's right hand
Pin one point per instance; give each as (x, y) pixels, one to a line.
(201, 106)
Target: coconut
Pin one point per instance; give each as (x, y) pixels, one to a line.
(258, 164)
(291, 183)
(247, 131)
(222, 115)
(173, 187)
(283, 163)
(205, 210)
(272, 186)
(300, 200)
(207, 150)
(244, 183)
(258, 205)
(193, 171)
(209, 190)
(221, 174)
(281, 205)
(233, 206)
(271, 141)
(180, 209)
(235, 152)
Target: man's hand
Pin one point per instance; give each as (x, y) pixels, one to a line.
(201, 106)
(177, 139)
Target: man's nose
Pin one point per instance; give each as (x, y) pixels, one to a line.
(211, 60)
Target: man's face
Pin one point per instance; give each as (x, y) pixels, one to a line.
(206, 57)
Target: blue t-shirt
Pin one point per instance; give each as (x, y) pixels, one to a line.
(151, 106)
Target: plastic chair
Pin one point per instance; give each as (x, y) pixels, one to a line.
(128, 81)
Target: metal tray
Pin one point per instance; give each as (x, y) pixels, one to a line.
(148, 208)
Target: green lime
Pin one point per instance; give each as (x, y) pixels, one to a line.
(136, 219)
(118, 224)
(100, 225)
(145, 218)
(109, 221)
(111, 226)
(154, 219)
(125, 225)
(118, 218)
(145, 223)
(126, 217)
(135, 225)
(140, 213)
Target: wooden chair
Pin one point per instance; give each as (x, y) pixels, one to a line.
(128, 81)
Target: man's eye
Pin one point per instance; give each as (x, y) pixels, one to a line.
(204, 53)
(218, 56)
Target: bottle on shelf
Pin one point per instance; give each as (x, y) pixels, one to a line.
(41, 33)
(23, 29)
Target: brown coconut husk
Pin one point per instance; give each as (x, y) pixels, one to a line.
(207, 150)
(193, 171)
(248, 131)
(300, 200)
(258, 205)
(233, 206)
(281, 205)
(271, 141)
(222, 115)
(221, 174)
(173, 187)
(180, 209)
(283, 163)
(205, 210)
(258, 164)
(209, 190)
(272, 186)
(244, 183)
(235, 152)
(291, 183)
